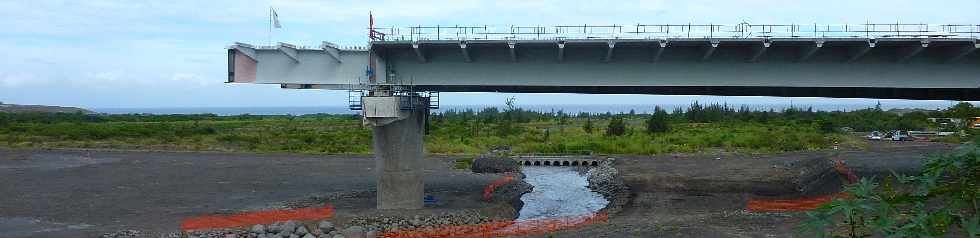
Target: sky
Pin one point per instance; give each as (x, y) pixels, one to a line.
(125, 54)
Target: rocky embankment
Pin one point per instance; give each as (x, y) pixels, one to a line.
(605, 180)
(288, 229)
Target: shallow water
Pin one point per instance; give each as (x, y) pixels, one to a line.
(558, 192)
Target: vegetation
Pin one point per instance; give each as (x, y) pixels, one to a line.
(940, 202)
(699, 128)
(659, 122)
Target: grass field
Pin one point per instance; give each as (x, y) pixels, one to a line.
(710, 128)
(345, 134)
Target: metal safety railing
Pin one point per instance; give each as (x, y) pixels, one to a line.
(660, 31)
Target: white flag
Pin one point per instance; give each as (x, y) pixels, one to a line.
(275, 19)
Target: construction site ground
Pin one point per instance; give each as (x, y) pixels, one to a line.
(84, 193)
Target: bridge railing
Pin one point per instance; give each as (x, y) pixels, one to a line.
(662, 31)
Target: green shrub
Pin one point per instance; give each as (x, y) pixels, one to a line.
(940, 201)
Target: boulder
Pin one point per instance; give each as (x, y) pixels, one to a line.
(495, 164)
(326, 227)
(353, 232)
(258, 229)
(301, 230)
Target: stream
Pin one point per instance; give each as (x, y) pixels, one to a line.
(558, 192)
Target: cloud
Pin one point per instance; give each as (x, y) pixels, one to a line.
(148, 51)
(16, 79)
(192, 79)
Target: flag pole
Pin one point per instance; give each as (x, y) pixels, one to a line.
(270, 26)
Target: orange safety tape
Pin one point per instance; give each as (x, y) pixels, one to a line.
(804, 204)
(253, 218)
(488, 191)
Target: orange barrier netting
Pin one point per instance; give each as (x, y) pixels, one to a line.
(792, 205)
(804, 204)
(253, 218)
(841, 169)
(502, 228)
(488, 191)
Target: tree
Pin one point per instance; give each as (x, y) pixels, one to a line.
(588, 125)
(964, 111)
(616, 127)
(659, 122)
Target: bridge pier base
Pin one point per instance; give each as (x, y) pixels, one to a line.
(398, 149)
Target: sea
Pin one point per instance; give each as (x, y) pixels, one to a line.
(566, 108)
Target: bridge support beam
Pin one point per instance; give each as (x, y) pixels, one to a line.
(913, 51)
(466, 53)
(398, 149)
(810, 50)
(289, 51)
(513, 51)
(962, 52)
(561, 51)
(658, 51)
(760, 51)
(710, 50)
(419, 55)
(609, 52)
(860, 51)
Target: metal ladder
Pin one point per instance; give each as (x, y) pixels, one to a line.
(354, 99)
(433, 100)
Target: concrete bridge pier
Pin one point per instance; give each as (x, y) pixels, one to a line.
(398, 122)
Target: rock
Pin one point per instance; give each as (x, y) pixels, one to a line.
(231, 236)
(325, 226)
(274, 227)
(339, 236)
(370, 234)
(301, 230)
(258, 229)
(309, 236)
(262, 235)
(353, 232)
(276, 236)
(290, 226)
(293, 236)
(284, 233)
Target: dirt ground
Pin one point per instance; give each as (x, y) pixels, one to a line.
(77, 193)
(72, 193)
(706, 195)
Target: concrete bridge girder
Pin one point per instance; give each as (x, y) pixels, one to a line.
(819, 67)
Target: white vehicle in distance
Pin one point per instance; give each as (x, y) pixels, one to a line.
(875, 135)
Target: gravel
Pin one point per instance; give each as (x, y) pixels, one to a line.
(605, 180)
(387, 223)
